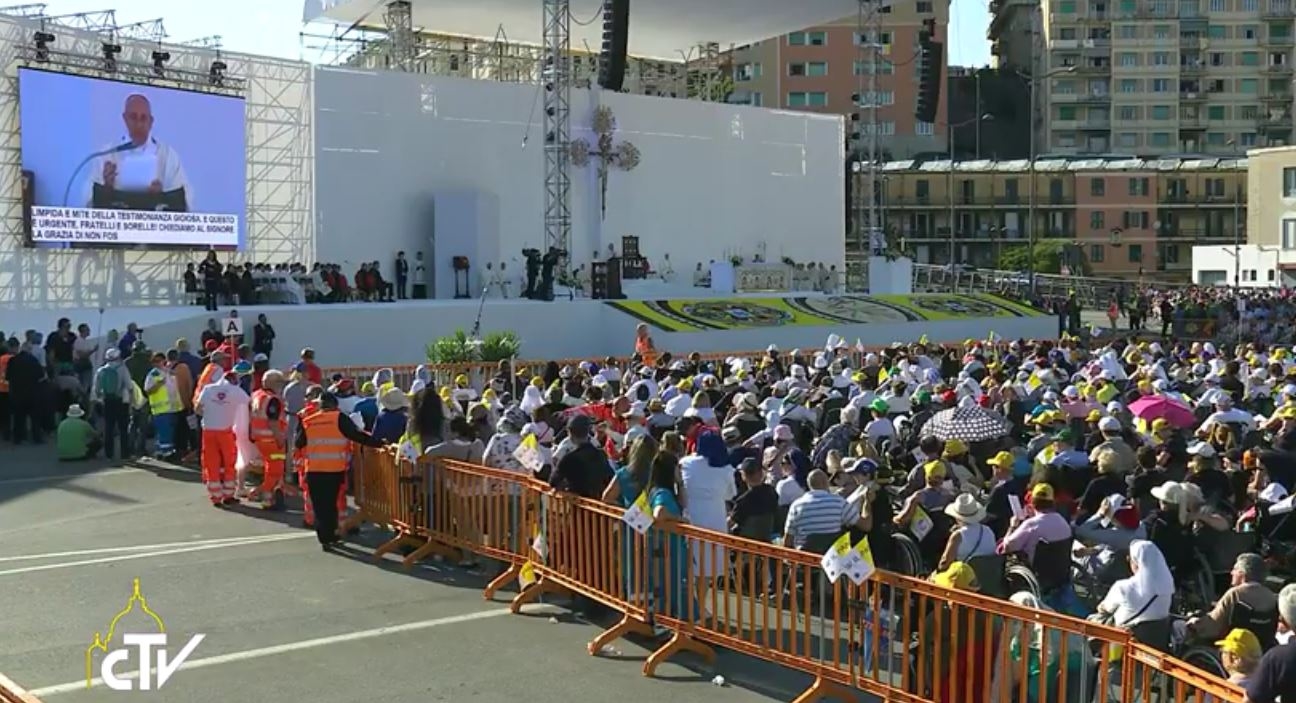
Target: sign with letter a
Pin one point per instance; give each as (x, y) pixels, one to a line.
(232, 327)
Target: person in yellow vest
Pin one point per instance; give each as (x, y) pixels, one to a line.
(269, 427)
(325, 439)
(164, 403)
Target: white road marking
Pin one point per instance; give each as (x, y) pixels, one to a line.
(163, 553)
(254, 654)
(71, 477)
(133, 548)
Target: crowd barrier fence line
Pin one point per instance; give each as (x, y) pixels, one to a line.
(11, 692)
(901, 639)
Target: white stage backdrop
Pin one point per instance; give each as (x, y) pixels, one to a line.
(714, 179)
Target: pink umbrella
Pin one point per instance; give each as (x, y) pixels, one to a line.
(1157, 407)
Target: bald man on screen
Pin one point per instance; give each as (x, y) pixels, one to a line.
(139, 164)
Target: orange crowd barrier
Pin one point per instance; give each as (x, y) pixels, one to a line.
(11, 692)
(898, 638)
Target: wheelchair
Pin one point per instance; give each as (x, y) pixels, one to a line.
(1048, 572)
(917, 558)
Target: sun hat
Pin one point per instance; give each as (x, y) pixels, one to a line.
(958, 576)
(1171, 492)
(1241, 643)
(966, 509)
(75, 410)
(393, 399)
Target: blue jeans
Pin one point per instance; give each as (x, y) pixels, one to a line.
(164, 427)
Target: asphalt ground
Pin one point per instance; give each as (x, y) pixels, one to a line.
(282, 620)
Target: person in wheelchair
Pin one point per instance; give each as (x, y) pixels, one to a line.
(1043, 524)
(1106, 538)
(1180, 507)
(969, 538)
(1248, 604)
(1144, 596)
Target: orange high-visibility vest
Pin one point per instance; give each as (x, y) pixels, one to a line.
(4, 367)
(326, 449)
(210, 374)
(260, 427)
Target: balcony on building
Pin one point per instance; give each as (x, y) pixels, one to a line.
(1191, 91)
(1277, 95)
(1276, 10)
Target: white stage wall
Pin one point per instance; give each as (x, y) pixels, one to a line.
(713, 179)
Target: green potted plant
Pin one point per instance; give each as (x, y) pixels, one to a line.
(498, 346)
(458, 348)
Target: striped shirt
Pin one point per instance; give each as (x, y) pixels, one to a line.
(815, 513)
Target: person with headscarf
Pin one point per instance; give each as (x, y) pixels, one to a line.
(708, 479)
(383, 379)
(1027, 641)
(422, 379)
(1145, 596)
(507, 438)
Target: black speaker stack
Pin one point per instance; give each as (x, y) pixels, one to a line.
(616, 44)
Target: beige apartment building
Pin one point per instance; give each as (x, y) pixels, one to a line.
(1271, 188)
(1157, 77)
(822, 68)
(1127, 216)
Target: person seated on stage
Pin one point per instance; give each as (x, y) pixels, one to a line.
(364, 283)
(77, 440)
(667, 270)
(384, 290)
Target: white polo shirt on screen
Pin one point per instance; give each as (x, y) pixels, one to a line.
(221, 403)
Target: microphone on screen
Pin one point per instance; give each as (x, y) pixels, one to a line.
(125, 146)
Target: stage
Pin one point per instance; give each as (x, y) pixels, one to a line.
(369, 334)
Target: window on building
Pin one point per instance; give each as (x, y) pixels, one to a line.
(1217, 5)
(1127, 31)
(1215, 58)
(808, 38)
(922, 188)
(811, 68)
(807, 99)
(1170, 254)
(1249, 112)
(1128, 58)
(1216, 138)
(1249, 58)
(1127, 113)
(1161, 31)
(747, 72)
(1138, 186)
(1096, 253)
(1011, 187)
(1289, 234)
(1249, 32)
(1160, 112)
(1214, 187)
(924, 7)
(1134, 219)
(1217, 31)
(1067, 112)
(924, 129)
(1160, 85)
(797, 38)
(1129, 85)
(1127, 140)
(1159, 139)
(1247, 139)
(1097, 186)
(1067, 7)
(1216, 112)
(1135, 253)
(1160, 58)
(1289, 183)
(1249, 86)
(1096, 220)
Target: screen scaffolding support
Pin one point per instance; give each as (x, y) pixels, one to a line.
(556, 83)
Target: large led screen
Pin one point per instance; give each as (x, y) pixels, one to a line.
(110, 163)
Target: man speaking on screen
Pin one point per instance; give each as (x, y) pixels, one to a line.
(139, 173)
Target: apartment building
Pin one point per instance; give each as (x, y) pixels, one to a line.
(823, 69)
(1163, 77)
(1127, 216)
(1271, 187)
(1012, 31)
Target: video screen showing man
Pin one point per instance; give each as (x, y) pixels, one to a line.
(140, 172)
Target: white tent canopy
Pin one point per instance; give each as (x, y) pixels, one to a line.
(661, 29)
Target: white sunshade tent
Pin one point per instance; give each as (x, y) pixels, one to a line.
(662, 29)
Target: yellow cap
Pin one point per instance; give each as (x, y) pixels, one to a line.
(958, 576)
(934, 469)
(488, 394)
(1043, 491)
(955, 447)
(1160, 425)
(445, 394)
(1093, 416)
(1242, 643)
(461, 379)
(1003, 460)
(538, 382)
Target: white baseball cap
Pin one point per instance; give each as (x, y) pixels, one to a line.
(1109, 424)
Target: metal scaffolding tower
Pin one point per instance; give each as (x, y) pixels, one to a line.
(399, 18)
(556, 82)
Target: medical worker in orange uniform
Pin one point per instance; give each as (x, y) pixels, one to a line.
(312, 406)
(214, 371)
(268, 427)
(220, 404)
(325, 439)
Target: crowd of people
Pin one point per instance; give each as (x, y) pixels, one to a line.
(212, 284)
(1144, 483)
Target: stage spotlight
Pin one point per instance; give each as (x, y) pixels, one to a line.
(110, 52)
(159, 62)
(43, 39)
(216, 74)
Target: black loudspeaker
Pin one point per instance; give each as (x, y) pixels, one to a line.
(616, 44)
(605, 283)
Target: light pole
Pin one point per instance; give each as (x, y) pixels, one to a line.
(1030, 207)
(949, 182)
